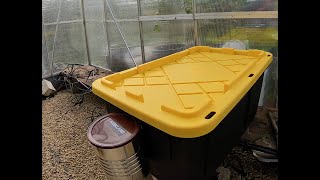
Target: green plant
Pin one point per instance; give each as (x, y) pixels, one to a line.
(188, 6)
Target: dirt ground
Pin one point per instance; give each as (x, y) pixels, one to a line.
(66, 153)
(244, 166)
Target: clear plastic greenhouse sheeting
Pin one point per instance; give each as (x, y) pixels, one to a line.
(50, 9)
(97, 43)
(120, 58)
(69, 44)
(162, 38)
(63, 33)
(68, 10)
(96, 32)
(94, 10)
(269, 90)
(45, 63)
(207, 6)
(49, 31)
(122, 9)
(257, 33)
(166, 7)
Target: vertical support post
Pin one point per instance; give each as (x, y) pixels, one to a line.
(54, 38)
(107, 35)
(195, 23)
(85, 33)
(141, 32)
(46, 45)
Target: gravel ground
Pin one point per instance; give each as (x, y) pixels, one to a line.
(66, 153)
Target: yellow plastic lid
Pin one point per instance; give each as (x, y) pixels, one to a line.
(186, 94)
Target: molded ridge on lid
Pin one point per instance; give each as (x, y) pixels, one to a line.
(134, 95)
(229, 83)
(187, 112)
